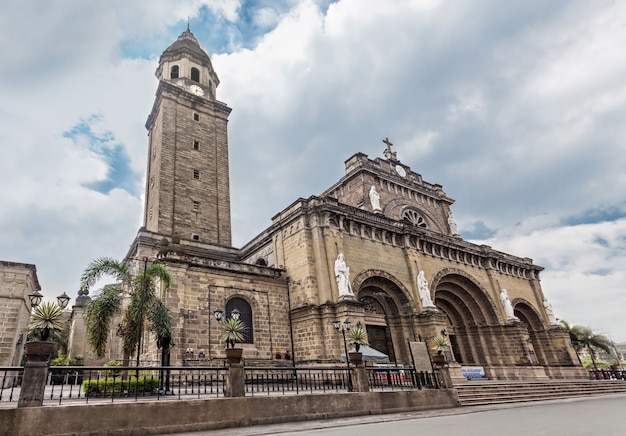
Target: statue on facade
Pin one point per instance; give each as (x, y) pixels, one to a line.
(550, 312)
(424, 292)
(453, 228)
(508, 307)
(342, 275)
(375, 199)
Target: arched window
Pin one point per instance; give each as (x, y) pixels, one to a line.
(174, 72)
(414, 218)
(246, 316)
(261, 262)
(195, 75)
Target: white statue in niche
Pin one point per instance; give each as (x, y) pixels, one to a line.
(506, 303)
(550, 312)
(375, 199)
(342, 275)
(422, 287)
(453, 228)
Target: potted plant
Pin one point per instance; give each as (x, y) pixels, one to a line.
(357, 336)
(440, 346)
(46, 322)
(234, 330)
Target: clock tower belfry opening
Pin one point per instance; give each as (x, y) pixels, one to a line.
(187, 183)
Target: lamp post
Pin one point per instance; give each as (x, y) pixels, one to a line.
(37, 354)
(346, 327)
(143, 296)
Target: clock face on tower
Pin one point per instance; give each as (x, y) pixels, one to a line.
(400, 171)
(195, 89)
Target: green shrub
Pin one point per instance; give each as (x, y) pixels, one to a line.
(114, 372)
(118, 385)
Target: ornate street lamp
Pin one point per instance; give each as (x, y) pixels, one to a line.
(63, 300)
(235, 314)
(343, 330)
(217, 313)
(35, 299)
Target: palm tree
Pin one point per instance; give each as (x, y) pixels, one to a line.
(583, 338)
(104, 306)
(572, 335)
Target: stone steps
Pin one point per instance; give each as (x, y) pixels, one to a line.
(510, 392)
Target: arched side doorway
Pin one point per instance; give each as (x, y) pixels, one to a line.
(471, 317)
(536, 331)
(386, 305)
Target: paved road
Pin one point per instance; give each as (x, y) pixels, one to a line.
(605, 415)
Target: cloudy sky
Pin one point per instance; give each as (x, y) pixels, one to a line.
(516, 108)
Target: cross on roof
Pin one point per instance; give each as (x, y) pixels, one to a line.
(388, 153)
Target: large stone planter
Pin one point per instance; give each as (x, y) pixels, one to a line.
(439, 359)
(233, 355)
(355, 358)
(39, 351)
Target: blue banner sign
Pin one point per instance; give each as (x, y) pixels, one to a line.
(473, 372)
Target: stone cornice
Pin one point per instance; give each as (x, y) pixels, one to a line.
(175, 90)
(329, 213)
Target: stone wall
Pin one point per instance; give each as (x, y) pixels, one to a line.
(200, 415)
(17, 280)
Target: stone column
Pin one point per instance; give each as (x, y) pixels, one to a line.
(235, 381)
(360, 382)
(33, 384)
(444, 376)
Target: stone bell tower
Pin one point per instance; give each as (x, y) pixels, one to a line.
(187, 183)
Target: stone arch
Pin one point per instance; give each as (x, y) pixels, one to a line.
(471, 315)
(534, 345)
(246, 312)
(527, 313)
(386, 303)
(464, 299)
(375, 276)
(395, 208)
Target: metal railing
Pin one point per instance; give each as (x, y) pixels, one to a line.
(10, 381)
(607, 374)
(401, 379)
(89, 384)
(261, 380)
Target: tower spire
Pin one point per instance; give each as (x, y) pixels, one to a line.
(188, 30)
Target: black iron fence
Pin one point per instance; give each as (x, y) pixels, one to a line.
(607, 374)
(10, 381)
(72, 384)
(261, 380)
(402, 378)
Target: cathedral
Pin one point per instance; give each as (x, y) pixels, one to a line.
(379, 247)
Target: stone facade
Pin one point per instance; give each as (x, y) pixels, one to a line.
(388, 223)
(17, 280)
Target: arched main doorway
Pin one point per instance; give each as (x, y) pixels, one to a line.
(470, 315)
(386, 308)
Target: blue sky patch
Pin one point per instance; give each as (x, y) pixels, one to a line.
(478, 233)
(595, 216)
(215, 33)
(120, 174)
